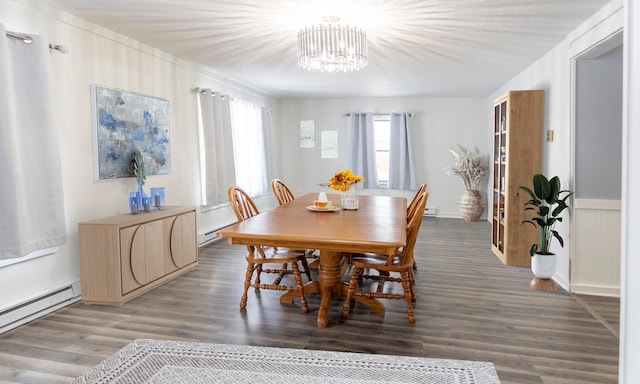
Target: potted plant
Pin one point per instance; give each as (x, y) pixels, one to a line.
(472, 168)
(345, 182)
(548, 201)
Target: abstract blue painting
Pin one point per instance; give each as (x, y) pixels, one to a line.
(123, 122)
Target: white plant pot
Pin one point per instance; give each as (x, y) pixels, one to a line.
(544, 266)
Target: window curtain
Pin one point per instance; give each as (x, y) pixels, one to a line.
(401, 164)
(362, 151)
(217, 167)
(249, 150)
(270, 150)
(31, 192)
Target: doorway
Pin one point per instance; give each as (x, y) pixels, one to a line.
(597, 169)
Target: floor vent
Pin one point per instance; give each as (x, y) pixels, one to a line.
(22, 313)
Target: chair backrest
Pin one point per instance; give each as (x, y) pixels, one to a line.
(243, 206)
(282, 191)
(413, 205)
(413, 227)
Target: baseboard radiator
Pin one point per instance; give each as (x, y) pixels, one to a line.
(209, 236)
(22, 313)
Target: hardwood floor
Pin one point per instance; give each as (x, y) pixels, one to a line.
(469, 307)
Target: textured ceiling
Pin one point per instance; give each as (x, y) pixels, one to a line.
(416, 47)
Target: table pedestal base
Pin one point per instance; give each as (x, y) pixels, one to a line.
(332, 267)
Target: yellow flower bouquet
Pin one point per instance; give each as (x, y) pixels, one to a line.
(342, 180)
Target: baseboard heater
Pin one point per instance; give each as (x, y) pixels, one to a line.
(207, 237)
(430, 211)
(22, 313)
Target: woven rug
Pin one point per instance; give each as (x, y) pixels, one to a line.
(175, 362)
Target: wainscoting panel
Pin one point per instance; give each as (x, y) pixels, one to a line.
(595, 266)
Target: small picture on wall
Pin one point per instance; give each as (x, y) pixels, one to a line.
(329, 145)
(124, 121)
(307, 134)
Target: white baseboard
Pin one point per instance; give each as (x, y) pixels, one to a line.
(595, 290)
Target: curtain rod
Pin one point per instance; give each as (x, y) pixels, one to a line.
(27, 40)
(383, 114)
(205, 90)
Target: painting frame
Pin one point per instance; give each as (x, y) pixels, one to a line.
(124, 121)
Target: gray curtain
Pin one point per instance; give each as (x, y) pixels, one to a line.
(31, 194)
(216, 147)
(401, 165)
(362, 151)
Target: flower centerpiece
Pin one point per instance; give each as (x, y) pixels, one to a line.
(344, 181)
(472, 168)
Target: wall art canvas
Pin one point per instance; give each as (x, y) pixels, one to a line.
(123, 122)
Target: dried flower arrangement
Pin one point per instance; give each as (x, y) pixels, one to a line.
(469, 166)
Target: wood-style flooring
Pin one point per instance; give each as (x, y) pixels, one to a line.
(469, 307)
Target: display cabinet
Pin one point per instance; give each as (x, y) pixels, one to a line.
(518, 122)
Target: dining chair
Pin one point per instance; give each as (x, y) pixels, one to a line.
(412, 207)
(284, 195)
(282, 191)
(401, 262)
(258, 255)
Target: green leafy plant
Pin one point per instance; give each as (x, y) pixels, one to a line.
(137, 166)
(548, 201)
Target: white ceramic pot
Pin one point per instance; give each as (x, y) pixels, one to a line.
(544, 266)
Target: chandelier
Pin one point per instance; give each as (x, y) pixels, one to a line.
(332, 47)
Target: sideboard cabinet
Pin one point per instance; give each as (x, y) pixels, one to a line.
(122, 257)
(518, 123)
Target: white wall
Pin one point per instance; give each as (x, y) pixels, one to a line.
(438, 123)
(99, 56)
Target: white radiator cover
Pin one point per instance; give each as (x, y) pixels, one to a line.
(21, 313)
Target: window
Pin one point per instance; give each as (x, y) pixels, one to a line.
(249, 147)
(382, 133)
(234, 147)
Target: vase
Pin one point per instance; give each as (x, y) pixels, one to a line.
(471, 205)
(140, 196)
(349, 198)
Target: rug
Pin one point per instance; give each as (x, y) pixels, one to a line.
(176, 362)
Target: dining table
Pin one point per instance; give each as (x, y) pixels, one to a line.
(377, 226)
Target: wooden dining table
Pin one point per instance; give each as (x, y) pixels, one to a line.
(377, 226)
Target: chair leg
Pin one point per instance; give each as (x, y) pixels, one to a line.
(406, 285)
(382, 278)
(258, 272)
(305, 265)
(298, 278)
(247, 284)
(412, 279)
(353, 282)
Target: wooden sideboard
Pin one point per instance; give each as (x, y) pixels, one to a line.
(122, 257)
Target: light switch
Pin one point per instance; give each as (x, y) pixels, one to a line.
(550, 135)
